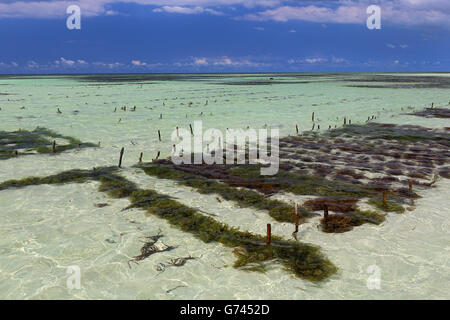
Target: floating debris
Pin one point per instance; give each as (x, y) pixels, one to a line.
(150, 248)
(101, 205)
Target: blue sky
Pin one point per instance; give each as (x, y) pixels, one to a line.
(224, 36)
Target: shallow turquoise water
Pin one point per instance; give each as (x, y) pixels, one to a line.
(45, 229)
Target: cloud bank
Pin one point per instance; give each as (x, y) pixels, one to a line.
(397, 12)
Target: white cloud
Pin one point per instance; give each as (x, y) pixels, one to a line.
(319, 60)
(200, 61)
(343, 14)
(32, 64)
(177, 9)
(393, 46)
(187, 10)
(315, 60)
(66, 62)
(259, 28)
(225, 61)
(220, 62)
(399, 12)
(138, 63)
(108, 65)
(63, 62)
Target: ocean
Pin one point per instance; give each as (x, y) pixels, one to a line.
(47, 230)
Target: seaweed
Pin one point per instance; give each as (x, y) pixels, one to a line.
(305, 185)
(433, 113)
(36, 141)
(278, 210)
(71, 176)
(341, 205)
(337, 224)
(304, 260)
(389, 206)
(351, 216)
(401, 133)
(116, 186)
(149, 247)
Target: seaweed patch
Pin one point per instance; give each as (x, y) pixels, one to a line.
(278, 210)
(304, 260)
(40, 140)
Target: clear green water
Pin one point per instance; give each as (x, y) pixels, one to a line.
(45, 229)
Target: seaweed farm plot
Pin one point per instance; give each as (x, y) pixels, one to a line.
(381, 164)
(304, 260)
(40, 140)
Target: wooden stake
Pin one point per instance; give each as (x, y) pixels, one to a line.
(157, 156)
(16, 153)
(140, 157)
(54, 146)
(313, 116)
(384, 197)
(325, 212)
(296, 217)
(269, 234)
(159, 135)
(177, 133)
(410, 186)
(121, 155)
(192, 131)
(296, 128)
(345, 121)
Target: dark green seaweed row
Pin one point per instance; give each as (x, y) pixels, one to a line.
(318, 186)
(278, 210)
(35, 141)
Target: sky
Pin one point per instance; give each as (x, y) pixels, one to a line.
(181, 36)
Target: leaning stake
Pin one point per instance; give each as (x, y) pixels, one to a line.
(269, 234)
(121, 155)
